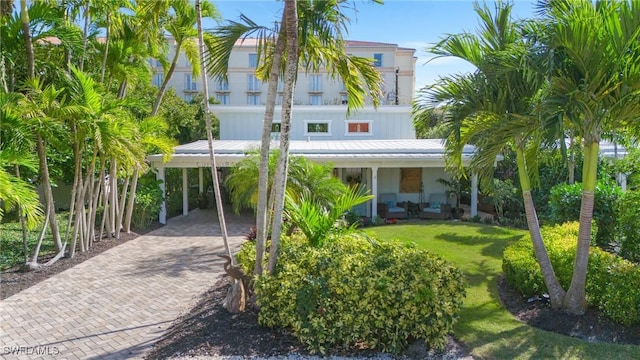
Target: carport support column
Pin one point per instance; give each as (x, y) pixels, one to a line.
(162, 217)
(185, 193)
(474, 195)
(200, 181)
(374, 192)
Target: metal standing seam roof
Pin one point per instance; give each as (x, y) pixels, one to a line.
(388, 150)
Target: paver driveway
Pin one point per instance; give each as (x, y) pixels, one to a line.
(117, 304)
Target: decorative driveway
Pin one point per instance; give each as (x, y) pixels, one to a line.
(118, 303)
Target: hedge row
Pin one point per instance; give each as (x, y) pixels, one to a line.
(358, 292)
(612, 282)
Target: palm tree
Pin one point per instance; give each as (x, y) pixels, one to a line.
(321, 44)
(492, 110)
(207, 116)
(598, 89)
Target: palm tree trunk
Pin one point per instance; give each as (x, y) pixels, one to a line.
(165, 82)
(26, 33)
(48, 194)
(556, 293)
(576, 302)
(85, 33)
(291, 30)
(262, 218)
(106, 48)
(207, 117)
(131, 202)
(123, 199)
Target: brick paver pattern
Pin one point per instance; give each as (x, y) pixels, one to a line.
(117, 304)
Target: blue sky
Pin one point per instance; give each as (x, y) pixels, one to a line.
(413, 24)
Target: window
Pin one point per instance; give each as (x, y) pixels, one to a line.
(158, 78)
(315, 82)
(343, 87)
(280, 86)
(187, 63)
(253, 60)
(317, 128)
(275, 127)
(158, 63)
(253, 84)
(315, 100)
(221, 84)
(279, 99)
(344, 100)
(187, 98)
(223, 99)
(410, 180)
(253, 99)
(189, 83)
(358, 128)
(378, 59)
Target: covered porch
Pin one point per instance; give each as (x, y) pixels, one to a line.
(409, 169)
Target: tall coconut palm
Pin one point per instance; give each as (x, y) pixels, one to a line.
(207, 116)
(492, 109)
(320, 34)
(599, 91)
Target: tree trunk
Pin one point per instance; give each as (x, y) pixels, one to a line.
(26, 33)
(131, 202)
(262, 219)
(207, 117)
(576, 301)
(556, 292)
(106, 48)
(123, 199)
(48, 194)
(280, 183)
(165, 82)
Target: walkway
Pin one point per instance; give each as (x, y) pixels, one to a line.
(117, 304)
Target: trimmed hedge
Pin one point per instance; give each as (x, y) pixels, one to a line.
(612, 282)
(357, 292)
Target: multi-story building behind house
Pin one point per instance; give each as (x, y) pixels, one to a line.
(397, 65)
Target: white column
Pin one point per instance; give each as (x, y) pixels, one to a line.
(185, 193)
(474, 195)
(162, 217)
(374, 191)
(622, 180)
(200, 180)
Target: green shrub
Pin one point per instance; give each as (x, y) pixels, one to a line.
(629, 226)
(612, 282)
(357, 292)
(147, 202)
(565, 201)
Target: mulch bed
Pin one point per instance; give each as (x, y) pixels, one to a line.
(593, 326)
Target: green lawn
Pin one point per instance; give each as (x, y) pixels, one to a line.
(485, 326)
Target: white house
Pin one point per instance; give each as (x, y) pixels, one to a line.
(376, 147)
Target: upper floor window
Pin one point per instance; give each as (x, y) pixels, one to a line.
(279, 99)
(315, 82)
(158, 78)
(253, 83)
(223, 99)
(315, 100)
(253, 99)
(189, 83)
(358, 127)
(344, 99)
(377, 59)
(280, 85)
(222, 84)
(314, 127)
(187, 63)
(253, 60)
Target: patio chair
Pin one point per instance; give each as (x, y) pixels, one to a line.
(436, 208)
(390, 208)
